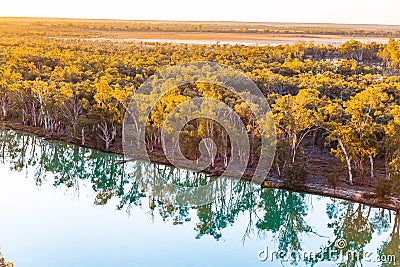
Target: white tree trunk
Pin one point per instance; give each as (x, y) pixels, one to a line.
(83, 136)
(348, 161)
(371, 160)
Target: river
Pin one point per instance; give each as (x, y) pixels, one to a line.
(63, 205)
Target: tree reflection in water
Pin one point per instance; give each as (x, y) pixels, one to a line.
(278, 213)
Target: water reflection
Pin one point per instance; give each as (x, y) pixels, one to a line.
(280, 215)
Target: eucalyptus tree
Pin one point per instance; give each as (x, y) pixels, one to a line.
(295, 119)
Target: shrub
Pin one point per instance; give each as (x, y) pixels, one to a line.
(396, 183)
(333, 180)
(382, 188)
(295, 174)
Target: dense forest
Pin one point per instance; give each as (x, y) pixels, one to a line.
(345, 100)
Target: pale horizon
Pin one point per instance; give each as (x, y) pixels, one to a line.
(288, 11)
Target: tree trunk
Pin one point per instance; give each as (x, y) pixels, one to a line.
(123, 133)
(106, 135)
(294, 148)
(83, 137)
(348, 161)
(4, 110)
(371, 160)
(361, 167)
(387, 173)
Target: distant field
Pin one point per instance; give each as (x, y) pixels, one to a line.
(241, 38)
(248, 33)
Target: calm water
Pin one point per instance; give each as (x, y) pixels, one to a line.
(62, 205)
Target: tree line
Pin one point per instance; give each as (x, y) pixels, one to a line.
(85, 27)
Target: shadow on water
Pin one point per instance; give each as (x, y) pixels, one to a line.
(279, 214)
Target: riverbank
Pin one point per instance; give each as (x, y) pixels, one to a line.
(318, 167)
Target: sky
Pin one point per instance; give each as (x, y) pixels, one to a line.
(313, 11)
